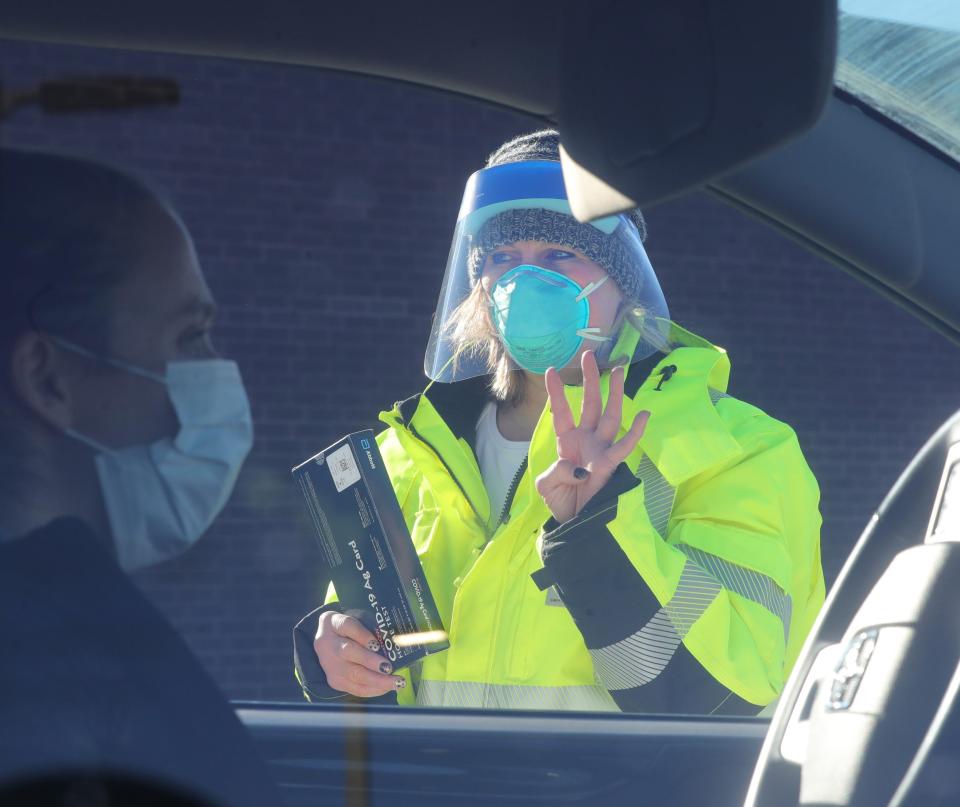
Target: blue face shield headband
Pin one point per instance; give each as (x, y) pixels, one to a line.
(542, 316)
(537, 184)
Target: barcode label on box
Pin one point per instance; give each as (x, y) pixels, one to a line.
(343, 468)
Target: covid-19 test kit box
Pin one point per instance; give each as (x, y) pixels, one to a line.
(366, 544)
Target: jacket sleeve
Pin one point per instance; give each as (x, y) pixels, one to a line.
(698, 621)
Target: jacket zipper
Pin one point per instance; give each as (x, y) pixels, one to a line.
(443, 462)
(511, 492)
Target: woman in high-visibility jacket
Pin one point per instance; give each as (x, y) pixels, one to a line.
(602, 526)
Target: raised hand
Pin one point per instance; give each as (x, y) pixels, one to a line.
(587, 454)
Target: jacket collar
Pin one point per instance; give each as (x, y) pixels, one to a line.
(444, 418)
(685, 435)
(459, 405)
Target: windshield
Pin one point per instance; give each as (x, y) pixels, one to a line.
(903, 59)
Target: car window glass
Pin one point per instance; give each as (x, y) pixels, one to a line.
(322, 206)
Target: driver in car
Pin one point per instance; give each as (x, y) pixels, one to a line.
(603, 526)
(121, 436)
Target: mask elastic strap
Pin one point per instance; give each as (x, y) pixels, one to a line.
(120, 365)
(590, 288)
(89, 442)
(592, 334)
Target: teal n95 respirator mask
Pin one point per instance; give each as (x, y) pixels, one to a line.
(161, 497)
(542, 316)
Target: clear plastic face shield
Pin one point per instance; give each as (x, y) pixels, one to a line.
(526, 283)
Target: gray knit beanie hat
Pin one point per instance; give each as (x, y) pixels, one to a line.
(535, 224)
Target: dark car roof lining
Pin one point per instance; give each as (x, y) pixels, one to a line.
(490, 53)
(853, 189)
(879, 204)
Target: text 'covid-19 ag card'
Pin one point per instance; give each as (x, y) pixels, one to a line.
(372, 559)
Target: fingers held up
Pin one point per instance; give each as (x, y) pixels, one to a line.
(559, 408)
(592, 406)
(621, 449)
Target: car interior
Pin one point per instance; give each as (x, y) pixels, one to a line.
(745, 105)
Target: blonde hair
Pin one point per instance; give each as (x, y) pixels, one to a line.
(472, 331)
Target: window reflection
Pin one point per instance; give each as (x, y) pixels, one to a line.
(322, 217)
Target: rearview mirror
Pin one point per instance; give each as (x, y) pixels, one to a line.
(663, 95)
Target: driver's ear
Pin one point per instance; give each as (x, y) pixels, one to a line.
(39, 380)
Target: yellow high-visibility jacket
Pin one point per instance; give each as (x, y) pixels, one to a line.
(688, 584)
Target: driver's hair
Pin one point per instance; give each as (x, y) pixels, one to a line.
(71, 230)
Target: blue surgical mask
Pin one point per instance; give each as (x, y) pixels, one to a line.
(542, 316)
(161, 497)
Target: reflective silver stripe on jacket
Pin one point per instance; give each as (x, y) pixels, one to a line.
(716, 395)
(658, 495)
(747, 583)
(474, 695)
(641, 657)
